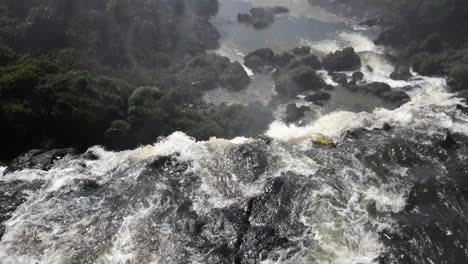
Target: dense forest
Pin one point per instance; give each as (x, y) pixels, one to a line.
(114, 72)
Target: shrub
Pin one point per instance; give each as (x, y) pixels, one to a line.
(460, 74)
(427, 64)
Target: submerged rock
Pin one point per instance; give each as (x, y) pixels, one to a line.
(38, 159)
(344, 60)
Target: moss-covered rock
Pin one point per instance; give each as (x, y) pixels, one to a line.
(295, 81)
(208, 71)
(344, 60)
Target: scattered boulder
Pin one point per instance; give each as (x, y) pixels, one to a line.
(369, 68)
(261, 17)
(234, 77)
(397, 97)
(401, 72)
(38, 159)
(318, 97)
(358, 76)
(311, 61)
(345, 60)
(378, 88)
(295, 81)
(260, 59)
(339, 78)
(283, 59)
(370, 22)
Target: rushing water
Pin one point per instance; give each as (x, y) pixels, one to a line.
(380, 195)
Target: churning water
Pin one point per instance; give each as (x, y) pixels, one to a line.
(380, 196)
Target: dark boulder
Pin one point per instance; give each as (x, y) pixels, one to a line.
(378, 88)
(318, 98)
(339, 78)
(301, 51)
(293, 113)
(370, 22)
(260, 59)
(401, 72)
(397, 97)
(369, 68)
(345, 60)
(38, 159)
(311, 61)
(283, 59)
(295, 81)
(234, 77)
(358, 76)
(261, 17)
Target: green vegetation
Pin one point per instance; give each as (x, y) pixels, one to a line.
(77, 73)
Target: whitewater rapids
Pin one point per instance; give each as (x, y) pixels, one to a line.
(278, 198)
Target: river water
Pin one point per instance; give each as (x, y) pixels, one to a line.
(379, 196)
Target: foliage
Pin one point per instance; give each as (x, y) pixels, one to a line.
(460, 74)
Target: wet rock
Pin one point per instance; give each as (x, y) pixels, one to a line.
(301, 51)
(284, 59)
(12, 195)
(261, 17)
(391, 58)
(318, 97)
(397, 97)
(339, 78)
(370, 22)
(234, 77)
(293, 113)
(378, 88)
(344, 60)
(295, 81)
(257, 244)
(260, 59)
(38, 159)
(323, 140)
(309, 60)
(250, 160)
(401, 72)
(434, 212)
(358, 76)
